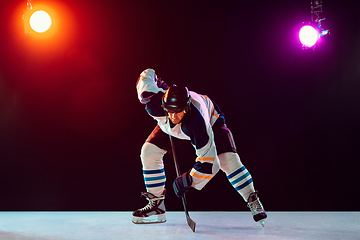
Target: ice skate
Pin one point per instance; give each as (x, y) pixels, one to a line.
(256, 208)
(153, 212)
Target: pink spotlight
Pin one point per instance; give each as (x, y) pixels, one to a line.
(308, 36)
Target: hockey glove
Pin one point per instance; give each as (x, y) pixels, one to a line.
(161, 84)
(182, 184)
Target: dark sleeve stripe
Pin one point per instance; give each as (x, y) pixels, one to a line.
(203, 167)
(154, 105)
(194, 126)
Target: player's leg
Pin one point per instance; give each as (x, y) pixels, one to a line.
(153, 168)
(152, 153)
(237, 174)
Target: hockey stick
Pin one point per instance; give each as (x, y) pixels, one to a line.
(190, 222)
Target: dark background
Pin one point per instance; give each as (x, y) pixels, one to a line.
(71, 126)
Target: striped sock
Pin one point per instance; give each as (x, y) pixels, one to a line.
(242, 181)
(155, 181)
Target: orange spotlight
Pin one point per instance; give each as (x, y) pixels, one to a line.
(44, 30)
(39, 20)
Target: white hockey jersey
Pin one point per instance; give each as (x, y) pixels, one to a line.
(196, 125)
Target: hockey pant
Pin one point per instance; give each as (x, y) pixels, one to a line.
(158, 144)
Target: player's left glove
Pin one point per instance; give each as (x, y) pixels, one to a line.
(182, 184)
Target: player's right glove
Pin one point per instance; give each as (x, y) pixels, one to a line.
(161, 84)
(182, 184)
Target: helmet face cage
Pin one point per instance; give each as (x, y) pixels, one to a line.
(176, 99)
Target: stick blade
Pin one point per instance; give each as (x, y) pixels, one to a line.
(190, 222)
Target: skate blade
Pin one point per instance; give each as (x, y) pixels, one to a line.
(151, 219)
(262, 222)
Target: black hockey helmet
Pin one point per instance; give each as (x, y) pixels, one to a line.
(176, 99)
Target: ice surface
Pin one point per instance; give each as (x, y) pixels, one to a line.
(210, 225)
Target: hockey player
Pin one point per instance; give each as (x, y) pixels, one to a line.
(187, 116)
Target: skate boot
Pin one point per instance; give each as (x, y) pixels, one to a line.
(153, 212)
(256, 208)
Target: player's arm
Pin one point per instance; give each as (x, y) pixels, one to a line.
(150, 90)
(207, 162)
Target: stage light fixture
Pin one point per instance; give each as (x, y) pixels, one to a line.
(308, 35)
(311, 32)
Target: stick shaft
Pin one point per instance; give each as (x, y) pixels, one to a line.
(176, 163)
(190, 222)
